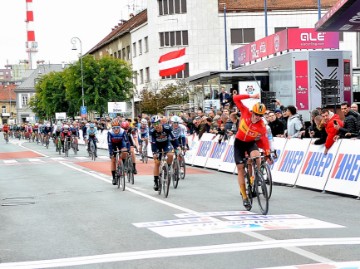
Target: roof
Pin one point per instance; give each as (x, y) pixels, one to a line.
(29, 82)
(121, 29)
(7, 93)
(258, 5)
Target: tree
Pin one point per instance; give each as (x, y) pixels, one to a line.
(154, 100)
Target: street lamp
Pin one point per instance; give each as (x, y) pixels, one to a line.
(74, 40)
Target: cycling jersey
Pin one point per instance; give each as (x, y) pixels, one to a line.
(144, 132)
(160, 140)
(116, 141)
(180, 134)
(5, 128)
(248, 131)
(91, 132)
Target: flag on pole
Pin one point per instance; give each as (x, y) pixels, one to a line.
(172, 63)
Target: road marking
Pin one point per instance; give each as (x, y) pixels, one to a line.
(185, 251)
(36, 160)
(9, 161)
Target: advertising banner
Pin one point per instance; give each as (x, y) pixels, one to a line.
(347, 81)
(345, 174)
(302, 85)
(218, 150)
(278, 145)
(60, 115)
(228, 161)
(193, 142)
(287, 168)
(116, 107)
(317, 166)
(250, 87)
(204, 149)
(308, 38)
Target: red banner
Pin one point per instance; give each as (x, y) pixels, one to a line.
(302, 85)
(347, 81)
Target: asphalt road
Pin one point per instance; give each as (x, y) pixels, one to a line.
(64, 212)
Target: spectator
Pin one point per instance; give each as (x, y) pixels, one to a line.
(199, 126)
(355, 107)
(231, 103)
(350, 123)
(224, 97)
(226, 119)
(276, 126)
(312, 126)
(294, 124)
(330, 120)
(319, 131)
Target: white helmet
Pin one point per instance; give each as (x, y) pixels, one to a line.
(144, 121)
(155, 119)
(175, 119)
(66, 127)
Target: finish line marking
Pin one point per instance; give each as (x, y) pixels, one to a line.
(177, 252)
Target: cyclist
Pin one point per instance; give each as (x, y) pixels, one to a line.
(161, 135)
(46, 131)
(65, 133)
(6, 131)
(74, 129)
(143, 134)
(36, 131)
(57, 134)
(251, 134)
(91, 133)
(130, 144)
(116, 139)
(179, 130)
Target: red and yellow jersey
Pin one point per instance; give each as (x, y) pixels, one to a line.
(247, 130)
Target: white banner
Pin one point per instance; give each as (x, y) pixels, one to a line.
(287, 168)
(317, 166)
(193, 142)
(250, 87)
(228, 161)
(116, 107)
(344, 176)
(204, 149)
(217, 153)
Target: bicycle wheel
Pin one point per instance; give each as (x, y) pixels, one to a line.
(47, 142)
(261, 193)
(182, 167)
(66, 147)
(160, 180)
(59, 145)
(92, 150)
(166, 180)
(266, 172)
(175, 175)
(120, 175)
(73, 146)
(128, 169)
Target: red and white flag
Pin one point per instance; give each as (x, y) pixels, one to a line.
(172, 63)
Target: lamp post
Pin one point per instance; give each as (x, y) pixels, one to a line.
(225, 36)
(74, 40)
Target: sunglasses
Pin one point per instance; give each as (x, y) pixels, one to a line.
(156, 123)
(116, 128)
(257, 115)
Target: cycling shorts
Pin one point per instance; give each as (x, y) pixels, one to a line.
(241, 147)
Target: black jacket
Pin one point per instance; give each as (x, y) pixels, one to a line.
(277, 127)
(350, 126)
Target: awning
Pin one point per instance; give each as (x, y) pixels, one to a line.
(344, 16)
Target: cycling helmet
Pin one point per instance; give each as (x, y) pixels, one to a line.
(259, 109)
(155, 119)
(175, 119)
(144, 121)
(115, 122)
(66, 127)
(92, 125)
(125, 125)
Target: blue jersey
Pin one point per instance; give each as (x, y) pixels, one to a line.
(161, 138)
(144, 132)
(116, 140)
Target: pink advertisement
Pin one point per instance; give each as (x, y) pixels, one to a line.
(347, 82)
(308, 38)
(302, 85)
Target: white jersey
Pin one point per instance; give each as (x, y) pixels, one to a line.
(180, 131)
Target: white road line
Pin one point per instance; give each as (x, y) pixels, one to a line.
(10, 161)
(35, 160)
(177, 252)
(20, 144)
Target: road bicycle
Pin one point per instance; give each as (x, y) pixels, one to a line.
(46, 141)
(74, 144)
(92, 149)
(144, 155)
(119, 170)
(258, 187)
(175, 170)
(129, 168)
(57, 142)
(67, 145)
(182, 164)
(164, 175)
(6, 137)
(266, 172)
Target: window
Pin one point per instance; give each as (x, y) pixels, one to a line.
(146, 41)
(24, 99)
(128, 53)
(140, 47)
(278, 29)
(135, 76)
(141, 76)
(147, 71)
(3, 109)
(171, 39)
(134, 49)
(123, 54)
(242, 35)
(182, 74)
(119, 54)
(169, 7)
(115, 54)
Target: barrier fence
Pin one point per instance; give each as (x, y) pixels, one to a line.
(299, 162)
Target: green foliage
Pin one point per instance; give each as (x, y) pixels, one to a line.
(154, 102)
(105, 80)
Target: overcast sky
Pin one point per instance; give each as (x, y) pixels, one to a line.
(55, 23)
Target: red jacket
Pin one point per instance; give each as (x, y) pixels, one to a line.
(331, 131)
(249, 131)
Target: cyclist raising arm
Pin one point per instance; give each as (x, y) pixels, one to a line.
(116, 139)
(160, 137)
(252, 130)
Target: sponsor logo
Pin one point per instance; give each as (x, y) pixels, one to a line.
(356, 18)
(204, 148)
(347, 167)
(316, 163)
(218, 150)
(276, 43)
(312, 36)
(229, 157)
(291, 161)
